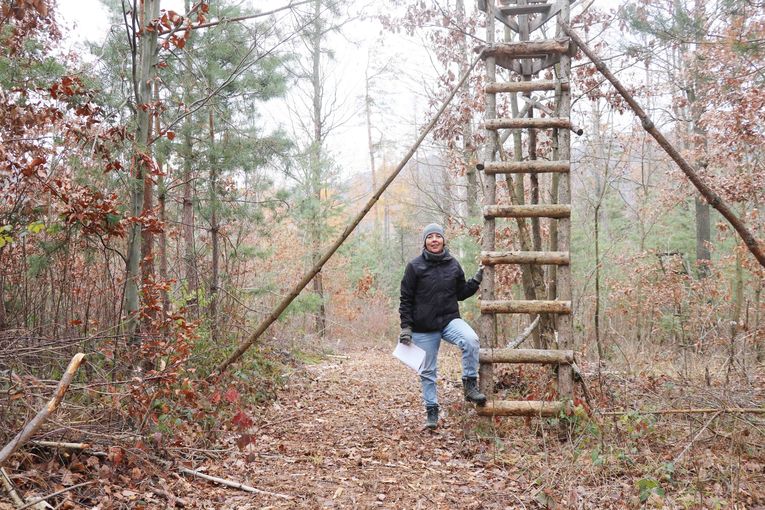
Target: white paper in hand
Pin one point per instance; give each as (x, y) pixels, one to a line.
(410, 355)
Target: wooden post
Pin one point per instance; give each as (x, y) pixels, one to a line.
(488, 322)
(541, 408)
(556, 258)
(532, 307)
(541, 356)
(528, 211)
(563, 274)
(526, 167)
(527, 123)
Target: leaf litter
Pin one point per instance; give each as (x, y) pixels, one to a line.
(348, 433)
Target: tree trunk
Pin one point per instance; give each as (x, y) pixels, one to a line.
(316, 165)
(759, 346)
(600, 192)
(516, 191)
(703, 236)
(598, 341)
(143, 77)
(699, 144)
(162, 244)
(3, 317)
(735, 319)
(190, 275)
(552, 271)
(187, 223)
(161, 202)
(147, 237)
(214, 234)
(370, 143)
(546, 322)
(536, 231)
(468, 147)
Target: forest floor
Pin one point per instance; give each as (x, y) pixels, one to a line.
(347, 432)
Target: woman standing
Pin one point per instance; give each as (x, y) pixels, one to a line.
(432, 285)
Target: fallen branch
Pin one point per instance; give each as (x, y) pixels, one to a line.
(512, 344)
(709, 422)
(754, 246)
(233, 484)
(10, 489)
(307, 277)
(702, 410)
(169, 496)
(54, 494)
(34, 425)
(57, 444)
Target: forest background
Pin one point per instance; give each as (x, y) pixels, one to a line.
(162, 193)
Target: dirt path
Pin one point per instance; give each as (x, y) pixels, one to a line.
(349, 435)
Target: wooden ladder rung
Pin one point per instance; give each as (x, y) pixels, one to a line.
(525, 167)
(527, 211)
(543, 408)
(525, 306)
(525, 86)
(528, 49)
(551, 258)
(527, 123)
(516, 10)
(541, 356)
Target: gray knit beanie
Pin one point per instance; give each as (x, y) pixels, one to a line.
(433, 228)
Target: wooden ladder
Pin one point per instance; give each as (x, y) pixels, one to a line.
(524, 59)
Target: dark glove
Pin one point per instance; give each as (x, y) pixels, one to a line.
(479, 275)
(406, 336)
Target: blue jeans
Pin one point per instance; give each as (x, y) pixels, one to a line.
(457, 332)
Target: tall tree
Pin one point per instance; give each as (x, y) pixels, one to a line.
(143, 43)
(315, 158)
(315, 172)
(681, 26)
(190, 281)
(239, 70)
(450, 30)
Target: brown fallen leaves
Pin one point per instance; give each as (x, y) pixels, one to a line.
(347, 433)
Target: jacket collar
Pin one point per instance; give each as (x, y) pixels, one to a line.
(436, 257)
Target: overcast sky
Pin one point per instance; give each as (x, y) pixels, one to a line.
(87, 19)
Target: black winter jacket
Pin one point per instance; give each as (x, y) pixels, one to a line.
(430, 289)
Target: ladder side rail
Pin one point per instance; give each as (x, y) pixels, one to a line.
(563, 283)
(488, 322)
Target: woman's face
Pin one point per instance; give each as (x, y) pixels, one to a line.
(434, 243)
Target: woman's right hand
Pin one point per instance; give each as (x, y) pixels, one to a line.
(406, 336)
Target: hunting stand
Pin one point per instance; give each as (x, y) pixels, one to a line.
(522, 61)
